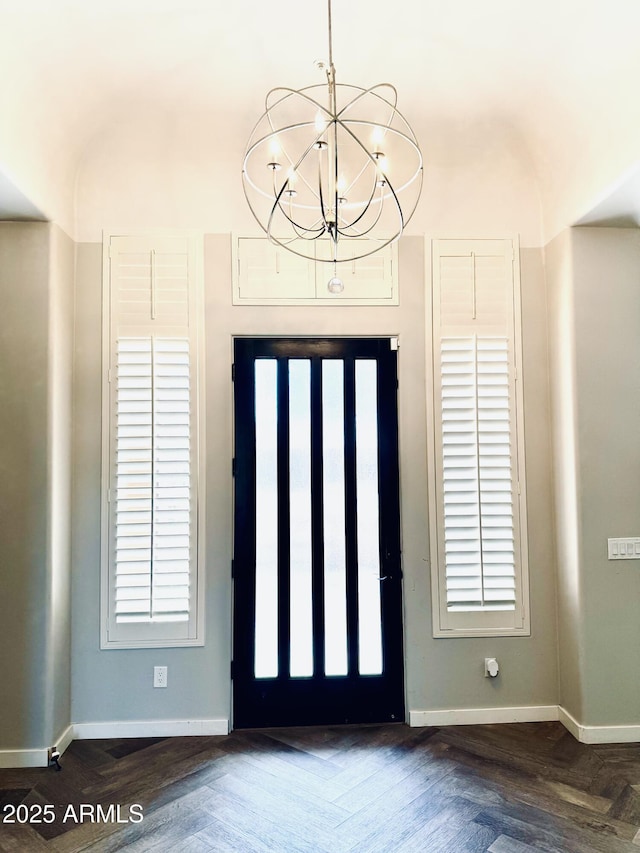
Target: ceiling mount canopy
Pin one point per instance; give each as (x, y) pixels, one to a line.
(332, 172)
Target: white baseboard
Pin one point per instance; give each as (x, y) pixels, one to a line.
(480, 716)
(18, 758)
(12, 758)
(64, 739)
(21, 758)
(150, 728)
(527, 714)
(598, 734)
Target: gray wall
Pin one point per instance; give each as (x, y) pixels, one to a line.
(581, 374)
(562, 363)
(117, 684)
(60, 426)
(449, 673)
(443, 673)
(36, 337)
(594, 318)
(606, 265)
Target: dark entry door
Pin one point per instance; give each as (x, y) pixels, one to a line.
(317, 577)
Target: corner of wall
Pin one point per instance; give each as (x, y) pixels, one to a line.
(559, 275)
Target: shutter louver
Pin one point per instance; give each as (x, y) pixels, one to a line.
(477, 476)
(152, 480)
(476, 463)
(153, 467)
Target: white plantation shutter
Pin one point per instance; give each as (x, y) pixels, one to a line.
(477, 488)
(151, 586)
(477, 474)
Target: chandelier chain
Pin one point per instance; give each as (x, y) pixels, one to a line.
(330, 36)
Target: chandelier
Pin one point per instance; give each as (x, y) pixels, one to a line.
(332, 172)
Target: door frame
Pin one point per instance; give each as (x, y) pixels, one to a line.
(302, 689)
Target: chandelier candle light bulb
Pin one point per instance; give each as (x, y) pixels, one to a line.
(310, 140)
(290, 192)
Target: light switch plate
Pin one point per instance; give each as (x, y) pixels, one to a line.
(626, 548)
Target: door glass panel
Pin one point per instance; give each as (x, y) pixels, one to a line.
(300, 517)
(369, 611)
(266, 414)
(334, 517)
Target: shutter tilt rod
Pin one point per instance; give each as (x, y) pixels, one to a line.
(153, 284)
(473, 263)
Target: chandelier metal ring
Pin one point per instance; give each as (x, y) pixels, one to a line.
(332, 172)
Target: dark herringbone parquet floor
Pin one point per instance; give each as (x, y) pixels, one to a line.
(378, 789)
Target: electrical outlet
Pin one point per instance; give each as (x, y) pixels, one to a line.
(491, 668)
(160, 676)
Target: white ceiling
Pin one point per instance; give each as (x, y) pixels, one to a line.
(558, 75)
